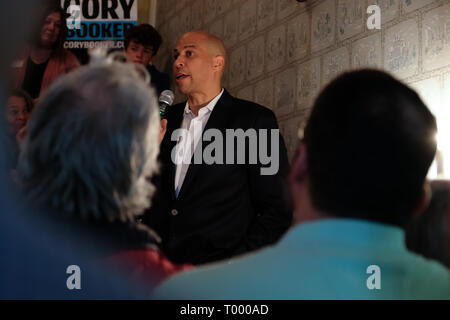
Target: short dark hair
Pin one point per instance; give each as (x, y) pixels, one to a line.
(370, 141)
(91, 144)
(145, 35)
(25, 96)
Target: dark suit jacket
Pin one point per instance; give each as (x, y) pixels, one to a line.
(222, 210)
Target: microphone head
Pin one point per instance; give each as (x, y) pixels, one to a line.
(166, 97)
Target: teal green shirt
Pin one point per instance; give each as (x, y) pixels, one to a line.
(324, 259)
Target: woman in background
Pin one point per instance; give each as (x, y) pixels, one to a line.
(44, 59)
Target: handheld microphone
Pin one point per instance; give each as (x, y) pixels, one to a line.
(165, 100)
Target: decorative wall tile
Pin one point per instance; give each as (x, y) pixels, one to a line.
(436, 38)
(230, 33)
(298, 37)
(247, 20)
(161, 9)
(285, 92)
(216, 28)
(262, 35)
(389, 9)
(266, 14)
(246, 93)
(264, 93)
(185, 20)
(170, 8)
(351, 18)
(175, 30)
(308, 83)
(210, 10)
(223, 6)
(255, 58)
(323, 25)
(197, 14)
(401, 49)
(367, 52)
(334, 63)
(237, 67)
(276, 48)
(411, 5)
(179, 4)
(285, 8)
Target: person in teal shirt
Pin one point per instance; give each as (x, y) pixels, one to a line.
(358, 178)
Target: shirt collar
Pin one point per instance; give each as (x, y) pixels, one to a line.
(349, 233)
(206, 109)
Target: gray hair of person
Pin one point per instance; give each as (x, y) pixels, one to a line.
(92, 144)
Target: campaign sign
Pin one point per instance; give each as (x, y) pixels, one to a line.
(91, 22)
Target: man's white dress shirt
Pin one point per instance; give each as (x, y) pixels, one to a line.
(194, 126)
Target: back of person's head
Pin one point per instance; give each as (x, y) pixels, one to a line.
(429, 233)
(91, 144)
(370, 141)
(145, 35)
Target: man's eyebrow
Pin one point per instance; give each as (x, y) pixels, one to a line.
(186, 46)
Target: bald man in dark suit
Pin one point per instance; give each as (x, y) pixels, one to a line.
(213, 210)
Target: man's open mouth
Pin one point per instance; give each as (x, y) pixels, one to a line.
(181, 76)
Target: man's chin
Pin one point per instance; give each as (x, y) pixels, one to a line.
(182, 90)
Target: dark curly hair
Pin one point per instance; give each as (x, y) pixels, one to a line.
(144, 34)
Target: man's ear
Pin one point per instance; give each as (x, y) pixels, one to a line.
(424, 201)
(299, 167)
(219, 63)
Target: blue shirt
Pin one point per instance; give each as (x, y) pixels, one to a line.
(324, 259)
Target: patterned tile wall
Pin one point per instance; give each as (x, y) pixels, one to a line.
(281, 52)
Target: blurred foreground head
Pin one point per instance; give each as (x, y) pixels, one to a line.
(367, 149)
(91, 144)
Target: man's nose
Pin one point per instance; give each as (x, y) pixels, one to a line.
(179, 63)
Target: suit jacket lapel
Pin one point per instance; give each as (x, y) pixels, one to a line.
(173, 123)
(218, 119)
